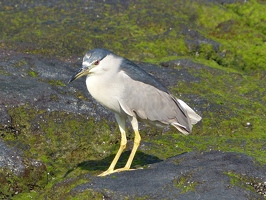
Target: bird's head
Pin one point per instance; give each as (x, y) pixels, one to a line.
(93, 62)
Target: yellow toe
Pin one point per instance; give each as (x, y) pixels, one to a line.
(108, 172)
(122, 169)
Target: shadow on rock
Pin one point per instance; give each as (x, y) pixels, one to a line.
(195, 175)
(141, 159)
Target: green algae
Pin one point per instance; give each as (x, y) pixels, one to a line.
(62, 190)
(32, 179)
(184, 184)
(56, 83)
(54, 138)
(32, 73)
(234, 111)
(241, 180)
(70, 144)
(236, 120)
(240, 28)
(20, 63)
(144, 31)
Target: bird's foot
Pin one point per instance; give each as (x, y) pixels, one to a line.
(107, 172)
(111, 171)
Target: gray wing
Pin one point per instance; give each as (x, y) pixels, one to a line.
(138, 74)
(149, 100)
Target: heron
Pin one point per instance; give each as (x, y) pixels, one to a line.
(132, 94)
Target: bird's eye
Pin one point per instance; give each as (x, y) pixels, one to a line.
(96, 62)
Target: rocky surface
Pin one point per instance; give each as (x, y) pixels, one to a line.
(55, 139)
(206, 175)
(10, 158)
(47, 90)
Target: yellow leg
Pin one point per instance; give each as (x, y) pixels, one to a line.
(135, 126)
(137, 139)
(132, 154)
(122, 124)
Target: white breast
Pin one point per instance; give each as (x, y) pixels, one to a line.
(105, 90)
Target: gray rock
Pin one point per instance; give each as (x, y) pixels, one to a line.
(42, 84)
(11, 159)
(193, 175)
(48, 89)
(4, 117)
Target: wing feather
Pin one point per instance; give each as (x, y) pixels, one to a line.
(146, 98)
(149, 103)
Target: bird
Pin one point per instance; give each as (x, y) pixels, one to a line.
(132, 94)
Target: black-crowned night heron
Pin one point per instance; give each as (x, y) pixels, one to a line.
(130, 92)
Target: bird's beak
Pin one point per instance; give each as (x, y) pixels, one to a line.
(81, 72)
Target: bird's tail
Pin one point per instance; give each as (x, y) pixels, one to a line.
(193, 118)
(192, 115)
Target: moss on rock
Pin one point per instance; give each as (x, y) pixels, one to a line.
(159, 30)
(228, 38)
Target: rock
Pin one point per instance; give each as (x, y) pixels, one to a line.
(18, 172)
(50, 128)
(207, 175)
(36, 82)
(11, 159)
(5, 119)
(43, 84)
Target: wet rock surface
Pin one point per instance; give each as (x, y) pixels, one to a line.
(206, 175)
(10, 158)
(55, 139)
(42, 84)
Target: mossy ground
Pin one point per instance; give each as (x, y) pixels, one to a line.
(141, 31)
(185, 184)
(234, 113)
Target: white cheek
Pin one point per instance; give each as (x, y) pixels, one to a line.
(96, 70)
